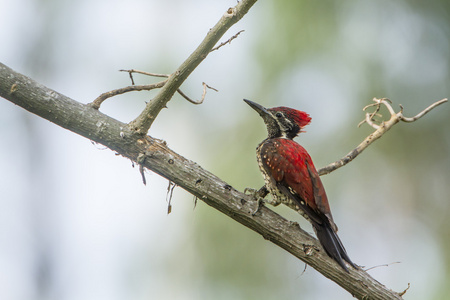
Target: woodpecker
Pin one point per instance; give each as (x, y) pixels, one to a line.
(290, 176)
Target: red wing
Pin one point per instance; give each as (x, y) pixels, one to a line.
(291, 166)
(320, 197)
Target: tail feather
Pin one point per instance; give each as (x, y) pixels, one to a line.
(330, 241)
(328, 237)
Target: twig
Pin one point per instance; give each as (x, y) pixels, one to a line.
(227, 41)
(304, 269)
(203, 94)
(170, 189)
(146, 87)
(385, 265)
(422, 113)
(131, 71)
(404, 292)
(380, 129)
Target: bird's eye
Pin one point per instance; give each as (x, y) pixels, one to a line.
(279, 115)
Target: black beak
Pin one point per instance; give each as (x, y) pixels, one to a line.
(262, 111)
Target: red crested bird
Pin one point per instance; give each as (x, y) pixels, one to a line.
(290, 176)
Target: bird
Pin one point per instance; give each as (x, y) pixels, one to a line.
(290, 176)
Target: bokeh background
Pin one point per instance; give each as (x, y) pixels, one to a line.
(76, 222)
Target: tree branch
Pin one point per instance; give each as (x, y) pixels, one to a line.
(380, 129)
(156, 156)
(205, 86)
(227, 41)
(145, 120)
(146, 87)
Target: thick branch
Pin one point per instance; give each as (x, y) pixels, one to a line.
(143, 122)
(156, 156)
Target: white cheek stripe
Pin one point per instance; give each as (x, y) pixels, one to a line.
(283, 129)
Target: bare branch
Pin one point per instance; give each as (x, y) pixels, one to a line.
(404, 292)
(145, 120)
(380, 129)
(384, 265)
(369, 120)
(144, 73)
(179, 90)
(169, 195)
(422, 113)
(203, 94)
(227, 41)
(146, 87)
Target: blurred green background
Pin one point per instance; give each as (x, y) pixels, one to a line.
(76, 221)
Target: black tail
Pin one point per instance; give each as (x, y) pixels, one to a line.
(330, 241)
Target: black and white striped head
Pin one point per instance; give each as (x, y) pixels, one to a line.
(281, 121)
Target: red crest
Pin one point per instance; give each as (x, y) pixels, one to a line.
(300, 117)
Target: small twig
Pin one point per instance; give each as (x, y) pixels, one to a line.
(385, 265)
(143, 73)
(404, 292)
(167, 76)
(227, 41)
(422, 113)
(146, 87)
(170, 189)
(130, 73)
(304, 270)
(195, 201)
(369, 120)
(203, 94)
(380, 129)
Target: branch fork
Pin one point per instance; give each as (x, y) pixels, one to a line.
(171, 85)
(395, 117)
(146, 87)
(381, 127)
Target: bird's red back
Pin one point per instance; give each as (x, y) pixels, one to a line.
(289, 162)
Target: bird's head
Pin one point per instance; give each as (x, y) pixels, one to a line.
(281, 121)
